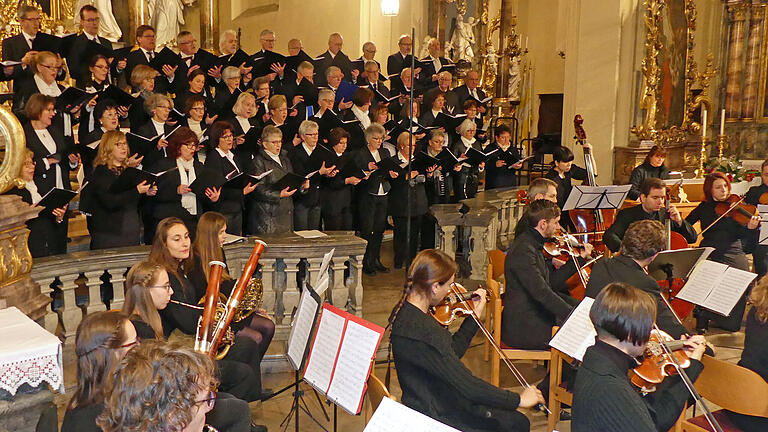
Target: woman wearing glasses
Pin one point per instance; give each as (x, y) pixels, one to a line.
(174, 195)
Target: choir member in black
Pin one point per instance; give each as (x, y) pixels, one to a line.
(195, 87)
(563, 172)
(102, 340)
(220, 159)
(465, 176)
(54, 158)
(197, 120)
(436, 187)
(755, 354)
(531, 305)
(603, 397)
(372, 197)
(379, 89)
(651, 207)
(500, 173)
(399, 203)
(228, 88)
(730, 240)
(291, 88)
(159, 106)
(760, 254)
(143, 83)
(19, 47)
(427, 357)
(242, 118)
(471, 109)
(333, 77)
(96, 81)
(115, 216)
(428, 116)
(380, 115)
(262, 91)
(444, 80)
(471, 90)
(279, 117)
(174, 197)
(270, 211)
(652, 166)
(359, 72)
(145, 38)
(325, 99)
(192, 59)
(228, 42)
(44, 233)
(402, 87)
(306, 204)
(401, 59)
(337, 188)
(333, 57)
(77, 62)
(407, 112)
(107, 119)
(642, 242)
(361, 104)
(435, 62)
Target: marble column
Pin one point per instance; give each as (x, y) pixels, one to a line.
(752, 77)
(735, 62)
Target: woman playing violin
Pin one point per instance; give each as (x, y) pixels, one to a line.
(603, 397)
(729, 238)
(759, 195)
(428, 358)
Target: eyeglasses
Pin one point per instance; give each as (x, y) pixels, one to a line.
(121, 144)
(209, 401)
(312, 134)
(191, 144)
(227, 136)
(91, 20)
(163, 107)
(52, 68)
(167, 286)
(38, 19)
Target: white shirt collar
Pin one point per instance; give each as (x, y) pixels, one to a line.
(467, 143)
(307, 149)
(227, 155)
(47, 89)
(274, 157)
(90, 36)
(27, 36)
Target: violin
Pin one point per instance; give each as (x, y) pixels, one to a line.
(735, 208)
(563, 248)
(458, 303)
(657, 363)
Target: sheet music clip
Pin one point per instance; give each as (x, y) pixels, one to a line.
(597, 197)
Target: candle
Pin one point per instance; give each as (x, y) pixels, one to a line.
(526, 42)
(703, 124)
(722, 122)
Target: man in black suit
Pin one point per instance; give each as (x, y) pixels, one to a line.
(143, 55)
(19, 47)
(193, 57)
(642, 242)
(77, 61)
(444, 80)
(433, 64)
(370, 78)
(401, 59)
(333, 57)
(358, 72)
(470, 90)
(652, 195)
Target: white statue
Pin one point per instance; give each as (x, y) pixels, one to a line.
(463, 39)
(108, 27)
(424, 52)
(491, 57)
(514, 78)
(166, 17)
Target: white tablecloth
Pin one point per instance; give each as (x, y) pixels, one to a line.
(28, 353)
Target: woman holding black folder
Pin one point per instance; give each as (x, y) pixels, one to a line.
(143, 83)
(242, 117)
(196, 118)
(115, 221)
(437, 187)
(500, 172)
(227, 90)
(336, 189)
(465, 176)
(196, 87)
(159, 106)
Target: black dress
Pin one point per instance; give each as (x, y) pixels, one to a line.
(44, 238)
(504, 176)
(398, 209)
(435, 382)
(115, 221)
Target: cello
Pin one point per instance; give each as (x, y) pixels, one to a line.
(670, 287)
(591, 223)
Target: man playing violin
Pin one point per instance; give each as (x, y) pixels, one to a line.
(760, 255)
(603, 397)
(652, 196)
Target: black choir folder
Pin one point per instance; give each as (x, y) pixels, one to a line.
(716, 286)
(56, 198)
(341, 357)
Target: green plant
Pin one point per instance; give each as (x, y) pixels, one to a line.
(731, 167)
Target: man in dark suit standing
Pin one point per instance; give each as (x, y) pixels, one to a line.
(145, 37)
(358, 73)
(19, 47)
(470, 90)
(433, 64)
(193, 57)
(77, 61)
(333, 57)
(401, 59)
(444, 80)
(371, 79)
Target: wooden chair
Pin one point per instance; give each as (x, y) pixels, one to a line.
(732, 387)
(495, 271)
(376, 392)
(495, 308)
(558, 394)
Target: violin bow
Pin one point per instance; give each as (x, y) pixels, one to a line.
(512, 368)
(731, 208)
(689, 384)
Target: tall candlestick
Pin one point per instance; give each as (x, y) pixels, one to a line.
(703, 124)
(722, 122)
(526, 42)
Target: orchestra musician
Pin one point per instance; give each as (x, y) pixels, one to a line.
(651, 207)
(754, 194)
(652, 166)
(563, 172)
(540, 188)
(428, 362)
(603, 397)
(730, 240)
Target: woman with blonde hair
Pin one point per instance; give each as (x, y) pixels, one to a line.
(115, 213)
(143, 84)
(243, 119)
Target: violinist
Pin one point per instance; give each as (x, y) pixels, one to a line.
(643, 240)
(428, 358)
(563, 172)
(652, 166)
(652, 195)
(729, 238)
(760, 254)
(603, 397)
(540, 188)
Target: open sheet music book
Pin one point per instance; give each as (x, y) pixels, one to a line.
(716, 286)
(341, 357)
(391, 416)
(302, 326)
(577, 333)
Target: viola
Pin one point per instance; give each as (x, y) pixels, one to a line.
(735, 208)
(657, 363)
(458, 303)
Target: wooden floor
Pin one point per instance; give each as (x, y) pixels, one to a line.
(380, 294)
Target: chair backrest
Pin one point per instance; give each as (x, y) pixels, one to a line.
(733, 387)
(376, 392)
(496, 259)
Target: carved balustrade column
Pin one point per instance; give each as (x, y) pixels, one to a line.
(735, 63)
(751, 79)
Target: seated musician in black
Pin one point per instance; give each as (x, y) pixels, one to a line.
(652, 195)
(563, 172)
(760, 254)
(642, 242)
(652, 166)
(428, 358)
(603, 398)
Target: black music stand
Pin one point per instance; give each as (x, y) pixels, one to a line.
(596, 197)
(673, 264)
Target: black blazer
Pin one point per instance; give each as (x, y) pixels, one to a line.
(168, 200)
(268, 212)
(362, 158)
(245, 151)
(451, 101)
(221, 99)
(396, 63)
(642, 172)
(335, 194)
(462, 93)
(45, 178)
(112, 209)
(531, 306)
(201, 58)
(302, 165)
(137, 57)
(615, 233)
(231, 199)
(498, 177)
(341, 61)
(398, 197)
(381, 90)
(23, 89)
(180, 100)
(137, 114)
(429, 69)
(148, 130)
(356, 132)
(14, 49)
(42, 229)
(77, 62)
(621, 268)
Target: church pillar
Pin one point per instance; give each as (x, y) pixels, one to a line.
(735, 62)
(751, 79)
(209, 25)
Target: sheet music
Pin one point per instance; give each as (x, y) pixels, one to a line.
(322, 285)
(323, 355)
(310, 234)
(763, 210)
(728, 290)
(352, 366)
(588, 197)
(391, 416)
(577, 333)
(301, 329)
(703, 279)
(324, 265)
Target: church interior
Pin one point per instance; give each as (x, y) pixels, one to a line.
(369, 215)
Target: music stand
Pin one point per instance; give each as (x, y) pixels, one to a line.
(596, 197)
(679, 263)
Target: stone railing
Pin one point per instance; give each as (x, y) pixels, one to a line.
(486, 222)
(286, 260)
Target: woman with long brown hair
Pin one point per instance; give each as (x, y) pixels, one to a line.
(652, 166)
(428, 358)
(730, 240)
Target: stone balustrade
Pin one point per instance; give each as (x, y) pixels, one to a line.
(286, 257)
